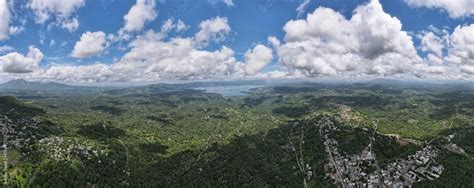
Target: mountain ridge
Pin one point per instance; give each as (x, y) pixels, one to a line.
(21, 84)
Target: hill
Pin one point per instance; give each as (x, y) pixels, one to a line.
(24, 85)
(14, 109)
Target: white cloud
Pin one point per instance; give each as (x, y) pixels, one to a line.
(15, 30)
(152, 57)
(430, 42)
(455, 8)
(461, 46)
(76, 73)
(451, 54)
(45, 9)
(90, 44)
(226, 2)
(17, 63)
(176, 59)
(278, 74)
(213, 30)
(180, 26)
(328, 44)
(169, 26)
(229, 2)
(70, 25)
(4, 19)
(140, 14)
(256, 59)
(433, 58)
(60, 11)
(370, 43)
(274, 41)
(301, 8)
(469, 69)
(6, 49)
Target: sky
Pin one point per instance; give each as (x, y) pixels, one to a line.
(106, 41)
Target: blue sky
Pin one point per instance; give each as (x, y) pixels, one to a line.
(251, 21)
(251, 24)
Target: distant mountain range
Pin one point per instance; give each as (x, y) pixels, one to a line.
(40, 86)
(23, 85)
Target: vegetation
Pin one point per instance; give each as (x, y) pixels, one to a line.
(351, 141)
(175, 136)
(458, 171)
(14, 109)
(465, 137)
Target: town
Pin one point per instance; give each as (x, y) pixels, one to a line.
(363, 170)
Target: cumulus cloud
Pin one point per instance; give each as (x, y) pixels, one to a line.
(274, 41)
(449, 53)
(90, 44)
(434, 42)
(256, 59)
(169, 25)
(175, 59)
(152, 57)
(370, 43)
(45, 9)
(213, 30)
(469, 69)
(77, 73)
(17, 63)
(328, 44)
(140, 14)
(461, 47)
(455, 8)
(61, 11)
(4, 19)
(430, 42)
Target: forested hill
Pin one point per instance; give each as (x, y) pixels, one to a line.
(14, 109)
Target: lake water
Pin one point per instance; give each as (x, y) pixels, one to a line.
(229, 90)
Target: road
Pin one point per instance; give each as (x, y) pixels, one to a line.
(331, 159)
(373, 153)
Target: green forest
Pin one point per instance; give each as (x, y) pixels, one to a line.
(176, 136)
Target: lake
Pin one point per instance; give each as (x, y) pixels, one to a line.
(229, 90)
